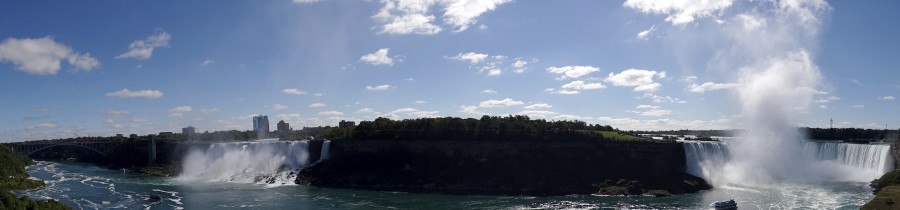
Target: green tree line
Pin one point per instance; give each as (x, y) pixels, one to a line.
(488, 128)
(14, 177)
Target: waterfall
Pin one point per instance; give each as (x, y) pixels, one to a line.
(829, 161)
(326, 147)
(270, 162)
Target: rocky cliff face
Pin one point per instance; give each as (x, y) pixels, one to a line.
(511, 168)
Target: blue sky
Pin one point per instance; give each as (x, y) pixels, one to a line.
(99, 68)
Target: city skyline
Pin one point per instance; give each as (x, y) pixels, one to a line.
(107, 67)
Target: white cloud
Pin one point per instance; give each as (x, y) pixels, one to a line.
(143, 49)
(858, 106)
(125, 93)
(179, 111)
(571, 117)
(708, 86)
(645, 33)
(489, 91)
(331, 113)
(519, 66)
(207, 62)
(305, 1)
(886, 98)
(42, 56)
(650, 111)
(660, 99)
(572, 71)
(680, 11)
(209, 110)
(316, 105)
(507, 102)
(562, 91)
(379, 57)
(539, 106)
(420, 102)
(379, 88)
(641, 80)
(279, 107)
(471, 57)
(365, 110)
(463, 13)
(43, 126)
(413, 17)
(581, 85)
(664, 124)
(470, 110)
(294, 91)
(410, 113)
(495, 72)
(318, 94)
(537, 113)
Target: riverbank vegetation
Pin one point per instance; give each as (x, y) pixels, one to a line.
(487, 128)
(14, 177)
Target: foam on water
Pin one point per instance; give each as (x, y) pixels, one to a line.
(266, 162)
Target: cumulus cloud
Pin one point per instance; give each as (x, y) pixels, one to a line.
(42, 56)
(507, 102)
(413, 17)
(279, 107)
(539, 106)
(660, 99)
(179, 111)
(651, 111)
(886, 98)
(379, 88)
(519, 65)
(209, 110)
(471, 57)
(489, 91)
(125, 93)
(463, 13)
(641, 80)
(379, 57)
(858, 106)
(665, 124)
(331, 113)
(143, 49)
(581, 85)
(709, 86)
(293, 91)
(572, 72)
(420, 102)
(571, 117)
(470, 110)
(365, 110)
(680, 11)
(644, 35)
(537, 113)
(316, 105)
(562, 91)
(305, 1)
(410, 113)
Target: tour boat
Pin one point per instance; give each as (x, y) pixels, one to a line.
(729, 204)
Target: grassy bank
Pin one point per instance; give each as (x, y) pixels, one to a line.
(14, 177)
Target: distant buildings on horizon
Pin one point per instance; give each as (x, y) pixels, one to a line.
(261, 126)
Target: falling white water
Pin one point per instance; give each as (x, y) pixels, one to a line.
(822, 161)
(326, 149)
(272, 162)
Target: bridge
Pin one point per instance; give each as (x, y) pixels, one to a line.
(28, 149)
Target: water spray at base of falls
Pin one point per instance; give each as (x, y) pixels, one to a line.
(816, 161)
(268, 162)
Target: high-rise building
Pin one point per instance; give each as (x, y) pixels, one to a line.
(188, 132)
(261, 126)
(283, 126)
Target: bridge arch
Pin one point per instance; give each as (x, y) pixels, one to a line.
(57, 145)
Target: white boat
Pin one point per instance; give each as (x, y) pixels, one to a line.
(729, 204)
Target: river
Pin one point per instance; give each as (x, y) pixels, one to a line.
(84, 186)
